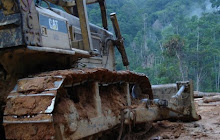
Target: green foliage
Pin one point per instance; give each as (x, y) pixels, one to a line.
(215, 3)
(169, 40)
(174, 45)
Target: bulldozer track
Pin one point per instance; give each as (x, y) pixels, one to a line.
(63, 103)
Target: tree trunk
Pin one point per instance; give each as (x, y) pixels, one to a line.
(197, 81)
(180, 66)
(218, 77)
(211, 99)
(197, 57)
(204, 94)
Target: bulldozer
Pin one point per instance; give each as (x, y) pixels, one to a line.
(58, 77)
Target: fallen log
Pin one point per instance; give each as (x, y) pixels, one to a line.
(208, 105)
(211, 99)
(198, 94)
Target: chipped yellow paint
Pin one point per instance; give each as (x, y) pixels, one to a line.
(9, 6)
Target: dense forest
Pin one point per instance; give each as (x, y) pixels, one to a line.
(170, 40)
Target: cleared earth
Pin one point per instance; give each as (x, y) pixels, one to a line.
(208, 128)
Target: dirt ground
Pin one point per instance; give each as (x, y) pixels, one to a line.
(208, 128)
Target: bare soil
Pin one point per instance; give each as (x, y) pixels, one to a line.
(208, 128)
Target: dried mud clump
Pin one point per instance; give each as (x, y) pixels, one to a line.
(30, 131)
(113, 99)
(36, 85)
(85, 101)
(27, 105)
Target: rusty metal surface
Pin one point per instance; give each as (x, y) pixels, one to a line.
(10, 24)
(11, 37)
(119, 42)
(9, 6)
(12, 32)
(13, 19)
(84, 24)
(31, 27)
(102, 5)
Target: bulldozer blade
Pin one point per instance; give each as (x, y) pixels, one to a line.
(180, 97)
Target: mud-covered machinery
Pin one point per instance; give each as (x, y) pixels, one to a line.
(58, 77)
